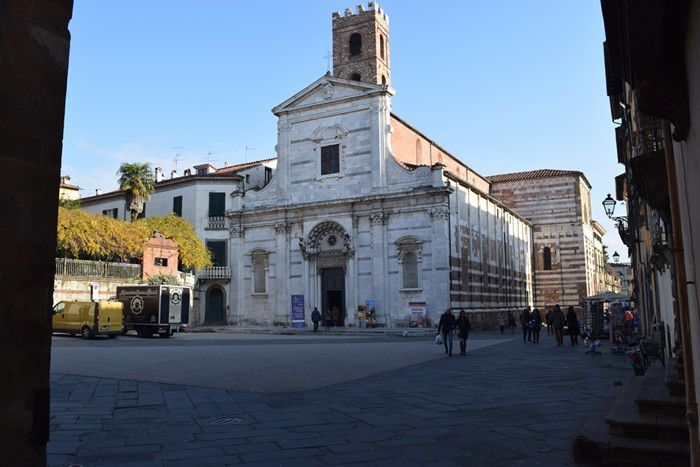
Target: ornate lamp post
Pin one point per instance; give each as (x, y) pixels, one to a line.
(616, 257)
(609, 204)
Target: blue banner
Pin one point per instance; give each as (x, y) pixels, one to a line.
(298, 311)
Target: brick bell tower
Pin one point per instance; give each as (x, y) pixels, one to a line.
(361, 45)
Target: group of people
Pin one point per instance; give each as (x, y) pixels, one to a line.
(531, 322)
(448, 323)
(328, 318)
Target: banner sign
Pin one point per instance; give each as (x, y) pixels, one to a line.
(298, 311)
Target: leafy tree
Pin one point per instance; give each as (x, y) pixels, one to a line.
(193, 254)
(136, 180)
(83, 235)
(69, 203)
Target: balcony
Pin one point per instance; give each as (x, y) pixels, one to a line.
(214, 272)
(216, 223)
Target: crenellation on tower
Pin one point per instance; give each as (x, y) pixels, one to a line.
(361, 44)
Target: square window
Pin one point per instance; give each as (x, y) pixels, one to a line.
(160, 262)
(330, 159)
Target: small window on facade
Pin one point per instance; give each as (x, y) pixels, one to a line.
(161, 262)
(268, 174)
(217, 204)
(177, 205)
(330, 159)
(356, 77)
(113, 213)
(546, 259)
(259, 266)
(217, 249)
(383, 80)
(355, 44)
(247, 178)
(409, 264)
(381, 46)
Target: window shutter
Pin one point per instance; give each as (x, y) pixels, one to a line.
(177, 206)
(330, 159)
(217, 204)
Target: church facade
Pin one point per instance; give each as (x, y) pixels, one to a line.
(364, 211)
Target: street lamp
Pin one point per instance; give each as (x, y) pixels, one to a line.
(609, 206)
(616, 257)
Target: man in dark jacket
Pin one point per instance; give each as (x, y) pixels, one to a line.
(525, 322)
(558, 324)
(315, 317)
(445, 327)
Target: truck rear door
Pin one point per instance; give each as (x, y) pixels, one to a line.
(110, 316)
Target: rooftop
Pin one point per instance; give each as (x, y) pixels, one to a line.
(535, 174)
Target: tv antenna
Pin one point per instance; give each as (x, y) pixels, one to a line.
(177, 157)
(248, 148)
(210, 157)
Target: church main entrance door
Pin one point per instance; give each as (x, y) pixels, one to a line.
(333, 294)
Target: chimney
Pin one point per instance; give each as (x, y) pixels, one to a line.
(173, 174)
(159, 175)
(98, 192)
(188, 172)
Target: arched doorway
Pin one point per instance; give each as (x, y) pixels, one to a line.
(214, 313)
(328, 248)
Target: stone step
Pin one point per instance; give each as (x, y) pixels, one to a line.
(625, 420)
(595, 444)
(654, 398)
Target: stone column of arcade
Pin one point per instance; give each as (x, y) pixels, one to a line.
(34, 44)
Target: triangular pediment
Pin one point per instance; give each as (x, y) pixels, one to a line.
(326, 90)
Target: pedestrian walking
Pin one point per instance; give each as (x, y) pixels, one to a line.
(335, 315)
(558, 320)
(315, 318)
(511, 322)
(445, 327)
(326, 318)
(463, 328)
(536, 325)
(524, 322)
(573, 325)
(502, 322)
(548, 321)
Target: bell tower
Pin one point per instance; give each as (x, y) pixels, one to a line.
(361, 45)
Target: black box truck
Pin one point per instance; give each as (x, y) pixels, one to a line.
(151, 309)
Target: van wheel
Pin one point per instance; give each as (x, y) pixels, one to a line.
(86, 333)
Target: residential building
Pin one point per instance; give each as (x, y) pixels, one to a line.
(625, 274)
(68, 191)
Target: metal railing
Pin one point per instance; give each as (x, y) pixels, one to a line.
(214, 272)
(217, 223)
(67, 267)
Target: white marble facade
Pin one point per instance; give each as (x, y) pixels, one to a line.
(374, 231)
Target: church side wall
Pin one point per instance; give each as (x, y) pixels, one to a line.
(491, 252)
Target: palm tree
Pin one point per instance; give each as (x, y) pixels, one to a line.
(136, 180)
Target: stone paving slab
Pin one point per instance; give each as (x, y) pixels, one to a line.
(507, 404)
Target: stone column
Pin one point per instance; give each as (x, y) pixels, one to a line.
(440, 255)
(236, 258)
(379, 272)
(34, 42)
(283, 298)
(283, 151)
(355, 277)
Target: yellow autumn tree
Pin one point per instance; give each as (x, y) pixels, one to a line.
(83, 235)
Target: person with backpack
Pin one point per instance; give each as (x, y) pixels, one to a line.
(326, 318)
(502, 322)
(558, 320)
(463, 328)
(512, 324)
(548, 321)
(445, 327)
(315, 318)
(535, 325)
(525, 322)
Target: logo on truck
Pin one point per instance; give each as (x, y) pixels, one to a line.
(136, 305)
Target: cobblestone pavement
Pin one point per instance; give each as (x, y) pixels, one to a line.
(506, 404)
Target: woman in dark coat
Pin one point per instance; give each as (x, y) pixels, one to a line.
(536, 325)
(463, 328)
(573, 325)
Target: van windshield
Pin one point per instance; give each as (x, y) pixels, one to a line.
(58, 308)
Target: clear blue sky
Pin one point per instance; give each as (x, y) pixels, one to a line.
(504, 85)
